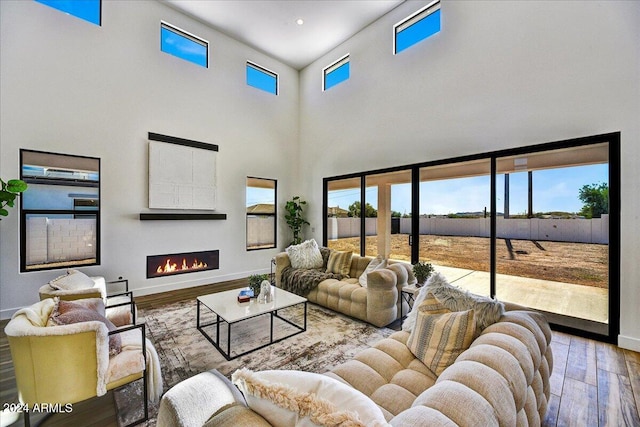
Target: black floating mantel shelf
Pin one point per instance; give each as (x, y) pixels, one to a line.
(180, 216)
(172, 216)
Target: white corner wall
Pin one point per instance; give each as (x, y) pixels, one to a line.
(68, 86)
(500, 74)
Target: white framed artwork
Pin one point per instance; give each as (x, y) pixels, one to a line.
(181, 176)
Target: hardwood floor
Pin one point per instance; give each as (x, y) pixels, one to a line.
(592, 384)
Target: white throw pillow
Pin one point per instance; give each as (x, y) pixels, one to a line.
(305, 255)
(375, 264)
(72, 281)
(296, 398)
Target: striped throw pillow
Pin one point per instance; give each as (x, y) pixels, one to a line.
(339, 262)
(439, 335)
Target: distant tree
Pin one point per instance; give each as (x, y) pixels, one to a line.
(355, 210)
(595, 200)
(396, 214)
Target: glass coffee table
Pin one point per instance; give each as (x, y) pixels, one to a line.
(227, 310)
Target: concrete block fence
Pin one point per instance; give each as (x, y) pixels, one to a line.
(594, 230)
(51, 240)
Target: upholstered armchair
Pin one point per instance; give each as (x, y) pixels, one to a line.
(120, 307)
(68, 363)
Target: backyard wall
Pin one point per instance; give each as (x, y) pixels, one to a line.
(499, 75)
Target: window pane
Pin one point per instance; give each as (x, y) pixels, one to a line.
(343, 215)
(261, 213)
(417, 28)
(184, 46)
(336, 73)
(388, 215)
(89, 10)
(61, 210)
(262, 79)
(552, 244)
(454, 233)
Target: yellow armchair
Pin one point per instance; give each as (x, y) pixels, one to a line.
(65, 364)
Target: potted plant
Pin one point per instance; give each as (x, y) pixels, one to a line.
(295, 219)
(422, 271)
(255, 280)
(8, 193)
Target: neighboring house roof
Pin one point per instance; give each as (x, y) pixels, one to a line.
(337, 211)
(261, 208)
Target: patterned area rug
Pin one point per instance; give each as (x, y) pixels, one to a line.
(330, 339)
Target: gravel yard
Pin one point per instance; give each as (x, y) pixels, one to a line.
(578, 263)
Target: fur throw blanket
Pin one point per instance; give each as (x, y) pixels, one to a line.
(302, 281)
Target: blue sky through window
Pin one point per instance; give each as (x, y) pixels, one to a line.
(418, 31)
(553, 190)
(336, 75)
(178, 44)
(89, 10)
(262, 79)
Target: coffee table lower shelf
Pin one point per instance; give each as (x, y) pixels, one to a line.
(227, 354)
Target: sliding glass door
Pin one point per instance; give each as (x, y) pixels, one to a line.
(536, 226)
(552, 239)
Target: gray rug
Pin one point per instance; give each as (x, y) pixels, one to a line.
(330, 339)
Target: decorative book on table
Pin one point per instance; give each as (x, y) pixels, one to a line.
(245, 295)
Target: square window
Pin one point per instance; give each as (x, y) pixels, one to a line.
(261, 78)
(335, 73)
(184, 45)
(89, 10)
(417, 27)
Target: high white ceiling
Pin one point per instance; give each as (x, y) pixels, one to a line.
(270, 25)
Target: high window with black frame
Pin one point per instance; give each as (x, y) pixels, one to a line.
(336, 73)
(416, 27)
(261, 213)
(261, 78)
(89, 10)
(184, 45)
(60, 224)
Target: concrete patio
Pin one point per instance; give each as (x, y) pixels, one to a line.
(584, 302)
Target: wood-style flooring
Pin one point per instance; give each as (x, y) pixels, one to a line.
(592, 384)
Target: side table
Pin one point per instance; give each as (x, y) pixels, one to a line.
(408, 294)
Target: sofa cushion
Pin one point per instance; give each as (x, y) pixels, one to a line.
(339, 262)
(72, 281)
(305, 255)
(487, 310)
(297, 398)
(375, 264)
(440, 336)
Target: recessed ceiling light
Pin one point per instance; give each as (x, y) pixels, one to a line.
(299, 21)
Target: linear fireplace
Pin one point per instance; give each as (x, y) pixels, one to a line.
(180, 263)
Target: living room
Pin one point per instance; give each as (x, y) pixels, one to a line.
(499, 75)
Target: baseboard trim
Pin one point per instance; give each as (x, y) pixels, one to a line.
(629, 343)
(150, 290)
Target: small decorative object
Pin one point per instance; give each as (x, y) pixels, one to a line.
(8, 193)
(255, 282)
(422, 271)
(245, 295)
(265, 292)
(294, 218)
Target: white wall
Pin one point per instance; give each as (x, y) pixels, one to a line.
(500, 74)
(68, 86)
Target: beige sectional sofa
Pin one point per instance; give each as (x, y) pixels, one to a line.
(378, 303)
(502, 379)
